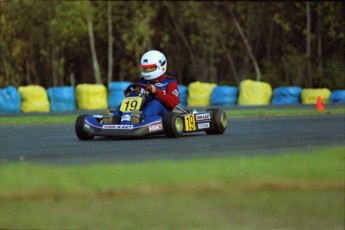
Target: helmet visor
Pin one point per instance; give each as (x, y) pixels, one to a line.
(148, 68)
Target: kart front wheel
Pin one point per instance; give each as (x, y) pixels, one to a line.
(79, 130)
(173, 125)
(219, 120)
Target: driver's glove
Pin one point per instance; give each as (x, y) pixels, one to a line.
(151, 88)
(125, 92)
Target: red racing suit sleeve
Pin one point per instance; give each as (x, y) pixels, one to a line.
(170, 96)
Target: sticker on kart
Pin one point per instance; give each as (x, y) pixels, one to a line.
(155, 127)
(204, 125)
(131, 103)
(117, 126)
(203, 116)
(189, 122)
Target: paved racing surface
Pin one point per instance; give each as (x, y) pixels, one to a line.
(58, 144)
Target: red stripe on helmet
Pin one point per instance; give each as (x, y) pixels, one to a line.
(149, 66)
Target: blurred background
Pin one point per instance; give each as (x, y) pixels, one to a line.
(59, 43)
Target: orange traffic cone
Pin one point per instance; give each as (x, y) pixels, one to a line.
(319, 105)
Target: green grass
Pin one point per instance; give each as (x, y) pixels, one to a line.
(283, 112)
(37, 119)
(289, 191)
(235, 113)
(208, 210)
(287, 167)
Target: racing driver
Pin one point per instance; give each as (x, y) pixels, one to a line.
(163, 89)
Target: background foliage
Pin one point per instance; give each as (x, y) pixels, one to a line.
(293, 43)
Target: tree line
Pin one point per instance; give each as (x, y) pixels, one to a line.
(57, 43)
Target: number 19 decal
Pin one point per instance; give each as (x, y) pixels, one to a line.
(189, 121)
(130, 103)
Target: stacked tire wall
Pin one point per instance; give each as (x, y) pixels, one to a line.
(199, 93)
(62, 98)
(35, 98)
(254, 93)
(10, 101)
(91, 96)
(286, 95)
(224, 95)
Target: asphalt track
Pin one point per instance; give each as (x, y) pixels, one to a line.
(58, 144)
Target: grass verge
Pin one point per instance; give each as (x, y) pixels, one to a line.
(283, 112)
(297, 190)
(318, 166)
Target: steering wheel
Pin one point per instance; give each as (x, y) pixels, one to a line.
(134, 87)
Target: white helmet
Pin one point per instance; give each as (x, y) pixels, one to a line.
(153, 65)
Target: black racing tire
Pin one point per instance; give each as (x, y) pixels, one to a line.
(173, 125)
(219, 121)
(79, 130)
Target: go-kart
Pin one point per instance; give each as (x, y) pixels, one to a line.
(174, 124)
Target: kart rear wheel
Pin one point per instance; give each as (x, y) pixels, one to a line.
(173, 125)
(81, 134)
(219, 120)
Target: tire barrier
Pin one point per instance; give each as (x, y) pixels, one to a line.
(199, 93)
(61, 98)
(183, 92)
(337, 96)
(91, 96)
(10, 101)
(286, 95)
(116, 93)
(34, 99)
(224, 95)
(309, 96)
(254, 93)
